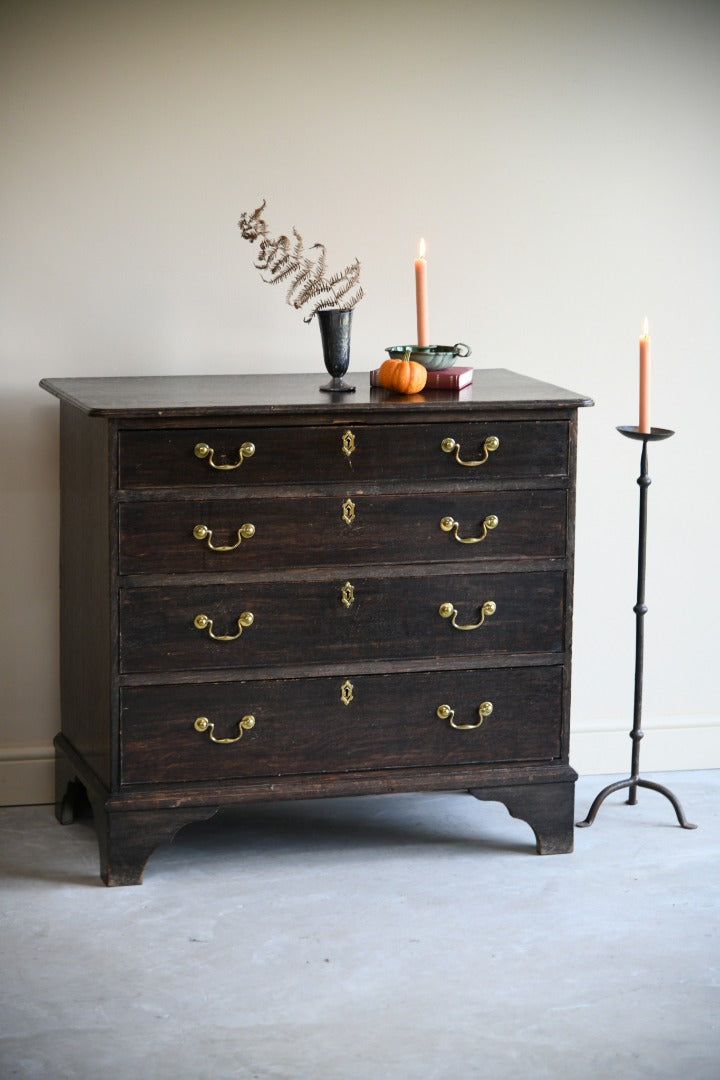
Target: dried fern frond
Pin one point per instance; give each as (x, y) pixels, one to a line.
(281, 259)
(334, 301)
(253, 225)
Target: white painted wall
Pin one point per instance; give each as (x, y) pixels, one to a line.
(561, 159)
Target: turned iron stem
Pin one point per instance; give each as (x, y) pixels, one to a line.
(634, 782)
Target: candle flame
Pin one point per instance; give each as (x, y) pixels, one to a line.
(646, 329)
(421, 248)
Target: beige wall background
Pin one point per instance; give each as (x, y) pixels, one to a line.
(561, 159)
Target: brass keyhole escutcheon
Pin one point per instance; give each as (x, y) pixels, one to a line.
(347, 595)
(346, 692)
(348, 511)
(348, 443)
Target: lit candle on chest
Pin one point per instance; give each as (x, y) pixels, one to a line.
(421, 297)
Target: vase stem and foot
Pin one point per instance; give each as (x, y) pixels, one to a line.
(335, 327)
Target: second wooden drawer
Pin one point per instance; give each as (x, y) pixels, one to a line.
(262, 533)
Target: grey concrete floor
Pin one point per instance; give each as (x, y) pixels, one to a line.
(415, 937)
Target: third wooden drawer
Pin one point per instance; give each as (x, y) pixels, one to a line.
(338, 619)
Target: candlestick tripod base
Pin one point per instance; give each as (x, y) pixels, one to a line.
(633, 782)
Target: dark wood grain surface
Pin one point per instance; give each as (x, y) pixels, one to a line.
(314, 454)
(87, 613)
(310, 531)
(301, 622)
(391, 722)
(137, 671)
(235, 395)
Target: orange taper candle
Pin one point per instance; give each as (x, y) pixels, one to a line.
(421, 297)
(644, 419)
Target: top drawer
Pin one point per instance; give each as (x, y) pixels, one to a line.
(251, 456)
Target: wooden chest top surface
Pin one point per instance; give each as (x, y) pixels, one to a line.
(236, 395)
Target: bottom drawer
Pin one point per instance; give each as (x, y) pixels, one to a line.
(315, 725)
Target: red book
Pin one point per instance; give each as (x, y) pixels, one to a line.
(452, 378)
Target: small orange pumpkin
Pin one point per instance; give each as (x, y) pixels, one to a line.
(404, 376)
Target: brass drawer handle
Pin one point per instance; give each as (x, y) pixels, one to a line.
(489, 446)
(447, 611)
(449, 524)
(202, 724)
(245, 532)
(202, 622)
(202, 451)
(444, 712)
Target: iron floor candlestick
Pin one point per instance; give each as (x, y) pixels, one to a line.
(634, 781)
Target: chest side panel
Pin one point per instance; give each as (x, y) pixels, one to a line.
(88, 656)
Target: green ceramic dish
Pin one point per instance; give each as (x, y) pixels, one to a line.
(433, 357)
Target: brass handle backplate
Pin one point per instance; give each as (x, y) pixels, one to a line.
(202, 451)
(449, 524)
(245, 532)
(489, 446)
(444, 712)
(447, 611)
(202, 724)
(202, 622)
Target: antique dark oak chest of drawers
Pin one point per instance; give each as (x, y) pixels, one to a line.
(272, 593)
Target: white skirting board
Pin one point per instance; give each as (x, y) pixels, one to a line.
(602, 747)
(27, 774)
